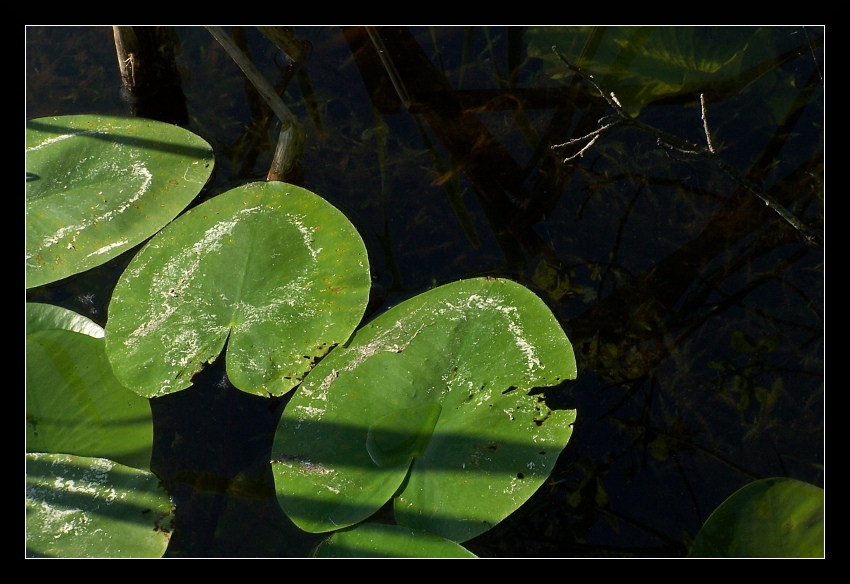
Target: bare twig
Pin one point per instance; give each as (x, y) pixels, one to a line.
(705, 123)
(580, 153)
(610, 98)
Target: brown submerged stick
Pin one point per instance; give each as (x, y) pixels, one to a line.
(291, 140)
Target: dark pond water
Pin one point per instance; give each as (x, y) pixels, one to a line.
(696, 310)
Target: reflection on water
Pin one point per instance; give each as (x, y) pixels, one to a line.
(695, 309)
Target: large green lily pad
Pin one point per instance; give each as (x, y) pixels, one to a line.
(429, 403)
(74, 403)
(270, 269)
(97, 186)
(81, 507)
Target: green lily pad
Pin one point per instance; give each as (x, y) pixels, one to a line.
(475, 347)
(768, 518)
(97, 186)
(272, 270)
(74, 403)
(81, 507)
(375, 540)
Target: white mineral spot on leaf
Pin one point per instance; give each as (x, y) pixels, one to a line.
(55, 139)
(184, 348)
(511, 314)
(527, 349)
(310, 468)
(187, 177)
(292, 295)
(57, 520)
(149, 326)
(176, 277)
(108, 248)
(322, 397)
(50, 502)
(306, 234)
(393, 339)
(310, 411)
(164, 389)
(60, 234)
(139, 171)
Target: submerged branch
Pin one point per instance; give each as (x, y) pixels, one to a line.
(670, 141)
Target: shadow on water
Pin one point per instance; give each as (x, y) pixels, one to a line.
(696, 310)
